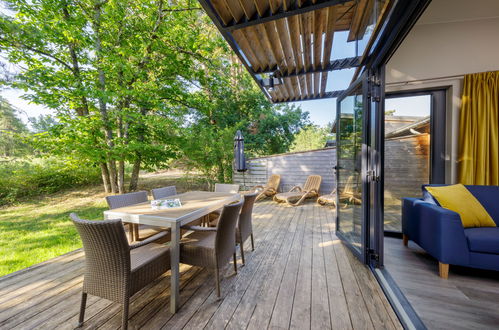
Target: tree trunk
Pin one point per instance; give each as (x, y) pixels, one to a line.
(82, 109)
(121, 162)
(108, 131)
(121, 176)
(134, 180)
(105, 177)
(113, 175)
(138, 160)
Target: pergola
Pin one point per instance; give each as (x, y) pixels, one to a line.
(286, 45)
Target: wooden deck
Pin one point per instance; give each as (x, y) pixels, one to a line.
(469, 299)
(299, 276)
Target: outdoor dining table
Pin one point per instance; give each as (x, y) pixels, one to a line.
(195, 204)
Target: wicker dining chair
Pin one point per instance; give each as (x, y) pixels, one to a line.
(136, 232)
(212, 247)
(244, 227)
(226, 188)
(160, 193)
(114, 269)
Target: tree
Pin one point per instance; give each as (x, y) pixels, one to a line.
(12, 129)
(226, 100)
(139, 82)
(115, 72)
(42, 123)
(310, 138)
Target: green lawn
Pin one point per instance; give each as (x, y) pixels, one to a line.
(40, 229)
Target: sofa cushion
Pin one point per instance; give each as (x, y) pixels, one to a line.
(459, 199)
(488, 197)
(428, 198)
(483, 240)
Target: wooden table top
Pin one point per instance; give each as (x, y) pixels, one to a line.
(194, 204)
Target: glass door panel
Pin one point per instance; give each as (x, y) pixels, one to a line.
(407, 152)
(349, 167)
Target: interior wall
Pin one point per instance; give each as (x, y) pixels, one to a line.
(451, 39)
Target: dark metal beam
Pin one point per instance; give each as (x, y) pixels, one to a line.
(341, 64)
(327, 95)
(208, 8)
(281, 13)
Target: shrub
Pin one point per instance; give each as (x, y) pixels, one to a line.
(34, 176)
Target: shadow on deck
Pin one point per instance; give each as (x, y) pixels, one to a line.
(299, 276)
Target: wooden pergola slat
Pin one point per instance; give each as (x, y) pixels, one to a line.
(290, 40)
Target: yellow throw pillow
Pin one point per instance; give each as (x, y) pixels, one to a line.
(459, 199)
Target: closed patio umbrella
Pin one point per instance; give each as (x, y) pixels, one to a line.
(240, 160)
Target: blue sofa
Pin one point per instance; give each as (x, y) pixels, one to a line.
(440, 232)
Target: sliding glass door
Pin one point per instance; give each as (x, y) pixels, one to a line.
(350, 164)
(358, 170)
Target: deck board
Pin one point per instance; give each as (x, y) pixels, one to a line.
(299, 276)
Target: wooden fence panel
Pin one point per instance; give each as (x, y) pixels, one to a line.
(293, 168)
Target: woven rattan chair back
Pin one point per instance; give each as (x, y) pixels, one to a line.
(226, 188)
(107, 257)
(245, 217)
(274, 181)
(123, 200)
(313, 182)
(159, 193)
(225, 240)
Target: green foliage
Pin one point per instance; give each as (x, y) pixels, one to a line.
(20, 178)
(12, 130)
(310, 138)
(227, 100)
(42, 123)
(142, 82)
(39, 228)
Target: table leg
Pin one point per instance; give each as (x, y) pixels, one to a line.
(175, 261)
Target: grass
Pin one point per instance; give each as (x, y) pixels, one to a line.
(38, 229)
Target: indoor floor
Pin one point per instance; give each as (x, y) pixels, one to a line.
(469, 299)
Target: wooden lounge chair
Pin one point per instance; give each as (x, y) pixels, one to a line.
(348, 194)
(298, 194)
(114, 269)
(270, 189)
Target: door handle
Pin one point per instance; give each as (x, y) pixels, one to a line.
(371, 176)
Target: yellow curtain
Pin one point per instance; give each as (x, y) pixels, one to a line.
(479, 129)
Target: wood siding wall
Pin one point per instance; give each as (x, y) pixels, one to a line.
(293, 168)
(406, 168)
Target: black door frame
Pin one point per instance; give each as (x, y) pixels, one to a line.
(438, 134)
(437, 127)
(362, 253)
(399, 22)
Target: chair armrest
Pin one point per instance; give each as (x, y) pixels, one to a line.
(149, 240)
(409, 220)
(199, 228)
(441, 233)
(296, 187)
(311, 191)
